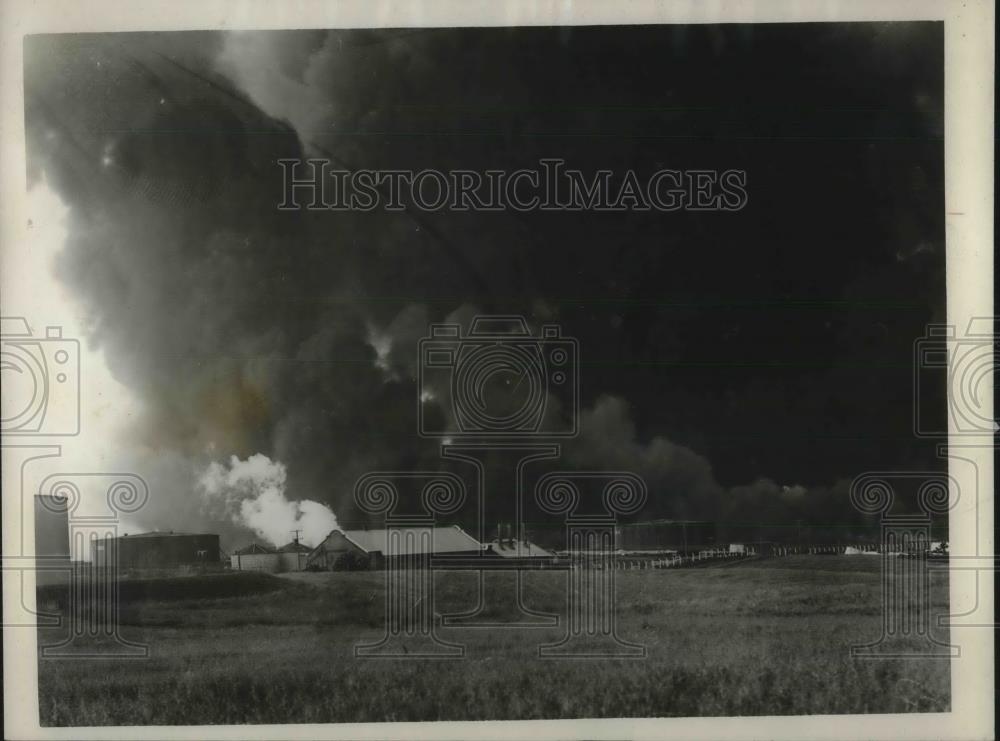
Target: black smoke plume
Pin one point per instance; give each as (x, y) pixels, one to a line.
(774, 342)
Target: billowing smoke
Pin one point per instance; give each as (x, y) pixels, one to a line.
(198, 291)
(675, 474)
(252, 493)
(253, 335)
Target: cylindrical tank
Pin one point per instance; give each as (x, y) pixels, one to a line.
(159, 550)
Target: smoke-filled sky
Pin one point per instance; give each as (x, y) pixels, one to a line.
(748, 364)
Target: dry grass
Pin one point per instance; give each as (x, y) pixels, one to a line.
(770, 637)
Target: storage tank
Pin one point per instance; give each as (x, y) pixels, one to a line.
(157, 550)
(666, 535)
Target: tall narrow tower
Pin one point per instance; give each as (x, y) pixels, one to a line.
(52, 552)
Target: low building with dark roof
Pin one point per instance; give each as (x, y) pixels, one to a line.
(157, 551)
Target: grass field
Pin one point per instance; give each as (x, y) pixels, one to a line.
(760, 637)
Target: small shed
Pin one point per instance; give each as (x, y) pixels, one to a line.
(293, 556)
(256, 557)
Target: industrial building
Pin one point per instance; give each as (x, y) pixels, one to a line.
(353, 549)
(521, 552)
(256, 557)
(683, 536)
(294, 556)
(157, 551)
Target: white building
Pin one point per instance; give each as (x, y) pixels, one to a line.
(256, 557)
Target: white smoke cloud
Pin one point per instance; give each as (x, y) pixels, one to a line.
(252, 493)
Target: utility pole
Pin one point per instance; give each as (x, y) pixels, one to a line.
(296, 534)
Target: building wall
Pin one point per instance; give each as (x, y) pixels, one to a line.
(272, 563)
(51, 527)
(158, 551)
(335, 546)
(654, 536)
(292, 561)
(266, 562)
(52, 540)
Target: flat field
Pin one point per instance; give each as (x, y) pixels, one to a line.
(767, 637)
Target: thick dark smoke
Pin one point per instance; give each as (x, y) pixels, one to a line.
(774, 342)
